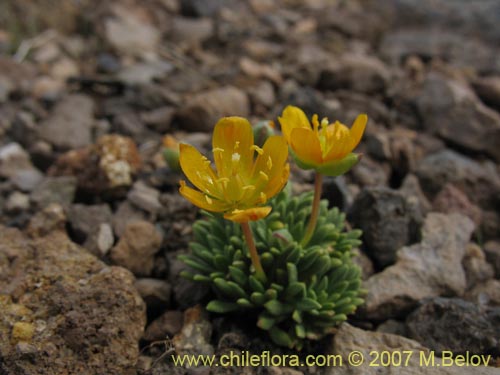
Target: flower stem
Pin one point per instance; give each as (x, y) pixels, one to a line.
(254, 256)
(318, 182)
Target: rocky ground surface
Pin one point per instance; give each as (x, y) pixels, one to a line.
(91, 222)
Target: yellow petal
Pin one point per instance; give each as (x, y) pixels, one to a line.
(275, 185)
(232, 141)
(249, 214)
(293, 117)
(357, 130)
(202, 200)
(272, 159)
(305, 144)
(197, 169)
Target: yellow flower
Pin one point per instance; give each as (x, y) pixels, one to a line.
(324, 147)
(241, 183)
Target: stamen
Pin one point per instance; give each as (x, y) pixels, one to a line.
(236, 145)
(315, 122)
(269, 163)
(208, 199)
(257, 148)
(217, 149)
(248, 187)
(324, 122)
(263, 197)
(264, 176)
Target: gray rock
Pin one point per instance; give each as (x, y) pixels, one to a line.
(167, 325)
(191, 31)
(389, 220)
(155, 293)
(202, 112)
(17, 202)
(452, 111)
(130, 33)
(144, 72)
(456, 325)
(64, 311)
(477, 269)
(145, 197)
(487, 293)
(136, 248)
(430, 268)
(349, 339)
(200, 8)
(365, 74)
(70, 124)
(488, 90)
(452, 200)
(49, 219)
(371, 173)
(480, 181)
(59, 190)
(194, 337)
(85, 225)
(27, 179)
(125, 214)
(492, 252)
(159, 119)
(411, 187)
(13, 158)
(337, 192)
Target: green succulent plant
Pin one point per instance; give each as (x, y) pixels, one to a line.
(309, 288)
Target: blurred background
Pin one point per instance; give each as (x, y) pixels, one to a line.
(89, 89)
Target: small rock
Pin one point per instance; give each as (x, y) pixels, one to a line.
(370, 173)
(477, 269)
(200, 8)
(144, 72)
(22, 331)
(452, 200)
(155, 293)
(456, 325)
(479, 181)
(191, 31)
(125, 214)
(194, 337)
(27, 179)
(430, 268)
(168, 324)
(263, 94)
(159, 119)
(59, 190)
(12, 159)
(487, 293)
(411, 187)
(130, 33)
(202, 112)
(389, 220)
(107, 166)
(452, 111)
(488, 90)
(49, 219)
(394, 327)
(85, 226)
(492, 252)
(257, 70)
(17, 202)
(145, 197)
(136, 248)
(47, 88)
(337, 192)
(70, 124)
(104, 238)
(358, 73)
